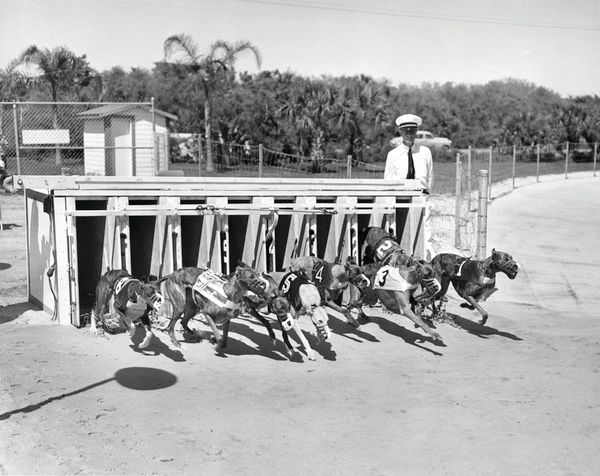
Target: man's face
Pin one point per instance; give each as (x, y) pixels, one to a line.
(408, 135)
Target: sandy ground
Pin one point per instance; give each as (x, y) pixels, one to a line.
(517, 397)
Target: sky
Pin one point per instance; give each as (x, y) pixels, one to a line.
(550, 43)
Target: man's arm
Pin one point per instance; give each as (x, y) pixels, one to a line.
(390, 169)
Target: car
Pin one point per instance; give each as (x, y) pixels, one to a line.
(436, 144)
(579, 151)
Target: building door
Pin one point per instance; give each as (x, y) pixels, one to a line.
(122, 132)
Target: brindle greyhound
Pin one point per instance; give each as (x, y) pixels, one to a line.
(473, 280)
(397, 287)
(191, 290)
(126, 289)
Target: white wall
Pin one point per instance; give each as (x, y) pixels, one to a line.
(94, 160)
(144, 142)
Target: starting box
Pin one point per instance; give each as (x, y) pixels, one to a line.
(78, 227)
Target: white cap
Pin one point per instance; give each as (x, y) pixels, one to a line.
(408, 120)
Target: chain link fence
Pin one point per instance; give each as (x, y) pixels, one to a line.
(82, 138)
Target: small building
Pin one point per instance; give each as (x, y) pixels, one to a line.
(120, 140)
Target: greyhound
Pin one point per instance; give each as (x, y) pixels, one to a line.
(331, 280)
(126, 289)
(304, 299)
(473, 280)
(191, 290)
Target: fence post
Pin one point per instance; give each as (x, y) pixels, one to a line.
(154, 138)
(457, 209)
(537, 165)
(595, 156)
(260, 160)
(469, 179)
(16, 126)
(514, 164)
(567, 161)
(349, 166)
(489, 194)
(482, 215)
(200, 155)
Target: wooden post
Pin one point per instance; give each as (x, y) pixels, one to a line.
(16, 125)
(469, 179)
(349, 166)
(514, 162)
(154, 138)
(260, 160)
(200, 155)
(482, 215)
(457, 209)
(567, 161)
(489, 194)
(537, 165)
(595, 156)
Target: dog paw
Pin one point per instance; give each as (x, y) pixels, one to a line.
(437, 339)
(352, 321)
(146, 342)
(312, 355)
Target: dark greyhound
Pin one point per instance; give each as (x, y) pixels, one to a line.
(125, 289)
(473, 280)
(331, 280)
(304, 299)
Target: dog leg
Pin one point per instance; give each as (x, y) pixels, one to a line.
(405, 309)
(266, 324)
(480, 310)
(130, 326)
(149, 334)
(225, 334)
(312, 355)
(218, 338)
(345, 312)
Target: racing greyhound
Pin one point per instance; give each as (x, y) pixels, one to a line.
(126, 289)
(192, 290)
(473, 280)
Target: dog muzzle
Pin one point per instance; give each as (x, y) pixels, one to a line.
(511, 269)
(362, 282)
(429, 287)
(288, 323)
(155, 302)
(319, 318)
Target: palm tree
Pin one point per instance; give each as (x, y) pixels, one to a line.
(210, 68)
(58, 69)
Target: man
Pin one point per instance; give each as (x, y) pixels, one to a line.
(410, 161)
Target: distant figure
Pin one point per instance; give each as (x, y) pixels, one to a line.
(185, 151)
(247, 152)
(410, 161)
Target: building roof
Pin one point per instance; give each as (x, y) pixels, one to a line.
(116, 109)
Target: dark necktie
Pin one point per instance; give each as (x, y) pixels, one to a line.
(411, 165)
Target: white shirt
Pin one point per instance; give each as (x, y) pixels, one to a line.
(396, 164)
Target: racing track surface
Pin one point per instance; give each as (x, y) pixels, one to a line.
(519, 396)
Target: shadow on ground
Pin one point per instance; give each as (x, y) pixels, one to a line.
(12, 311)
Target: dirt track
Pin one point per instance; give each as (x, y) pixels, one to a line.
(518, 397)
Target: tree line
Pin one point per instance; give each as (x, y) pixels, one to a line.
(310, 116)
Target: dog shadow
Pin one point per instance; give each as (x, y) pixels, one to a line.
(157, 347)
(483, 331)
(405, 334)
(235, 347)
(341, 327)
